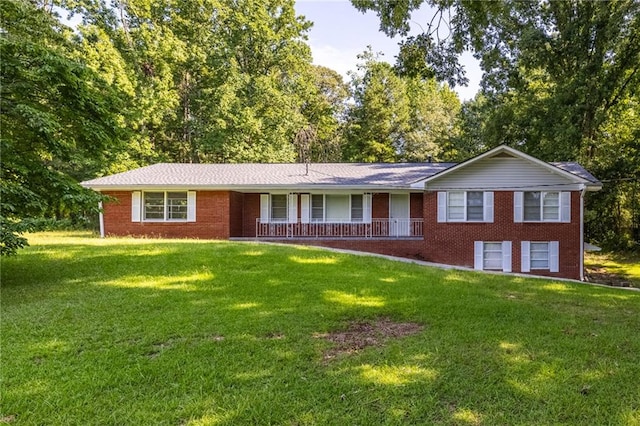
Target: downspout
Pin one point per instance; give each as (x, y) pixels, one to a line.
(583, 190)
(101, 219)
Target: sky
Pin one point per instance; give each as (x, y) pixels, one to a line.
(340, 32)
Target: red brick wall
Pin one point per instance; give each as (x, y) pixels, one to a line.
(453, 243)
(222, 214)
(380, 206)
(212, 218)
(416, 205)
(251, 212)
(236, 211)
(411, 249)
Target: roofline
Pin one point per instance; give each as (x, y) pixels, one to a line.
(517, 153)
(251, 188)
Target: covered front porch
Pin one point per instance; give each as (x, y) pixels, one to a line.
(375, 228)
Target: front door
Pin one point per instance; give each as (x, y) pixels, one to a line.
(399, 219)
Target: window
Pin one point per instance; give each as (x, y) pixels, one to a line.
(279, 207)
(540, 255)
(357, 208)
(317, 208)
(154, 206)
(338, 208)
(475, 206)
(541, 206)
(455, 206)
(492, 255)
(164, 206)
(465, 206)
(176, 205)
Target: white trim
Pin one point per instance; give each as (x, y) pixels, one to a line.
(101, 218)
(191, 206)
(478, 255)
(554, 256)
(525, 256)
(136, 206)
(565, 207)
(582, 192)
(506, 256)
(305, 208)
(264, 208)
(518, 206)
(487, 214)
(367, 207)
(515, 153)
(292, 208)
(442, 206)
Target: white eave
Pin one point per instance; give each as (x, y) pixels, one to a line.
(577, 181)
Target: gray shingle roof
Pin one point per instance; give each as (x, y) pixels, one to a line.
(576, 169)
(320, 175)
(261, 175)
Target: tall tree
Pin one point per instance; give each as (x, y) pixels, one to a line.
(218, 80)
(587, 53)
(397, 118)
(379, 118)
(58, 120)
(557, 77)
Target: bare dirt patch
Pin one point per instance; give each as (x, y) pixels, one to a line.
(361, 334)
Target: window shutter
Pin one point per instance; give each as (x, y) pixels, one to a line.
(478, 255)
(135, 206)
(565, 206)
(293, 208)
(554, 256)
(264, 208)
(305, 216)
(506, 256)
(191, 206)
(488, 206)
(442, 206)
(367, 201)
(517, 206)
(525, 256)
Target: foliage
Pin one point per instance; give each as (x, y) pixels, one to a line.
(216, 81)
(58, 121)
(396, 118)
(200, 332)
(557, 78)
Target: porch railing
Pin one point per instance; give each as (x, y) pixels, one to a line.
(378, 228)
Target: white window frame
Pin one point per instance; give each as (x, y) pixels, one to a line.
(286, 208)
(553, 252)
(290, 208)
(564, 207)
(366, 208)
(505, 254)
(444, 204)
(139, 213)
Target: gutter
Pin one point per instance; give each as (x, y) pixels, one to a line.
(583, 190)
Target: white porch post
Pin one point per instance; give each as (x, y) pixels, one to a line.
(583, 189)
(101, 219)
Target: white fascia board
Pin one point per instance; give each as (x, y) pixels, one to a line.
(570, 187)
(516, 153)
(253, 188)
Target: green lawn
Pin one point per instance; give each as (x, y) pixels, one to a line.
(124, 331)
(614, 268)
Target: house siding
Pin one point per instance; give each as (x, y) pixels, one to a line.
(500, 173)
(453, 243)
